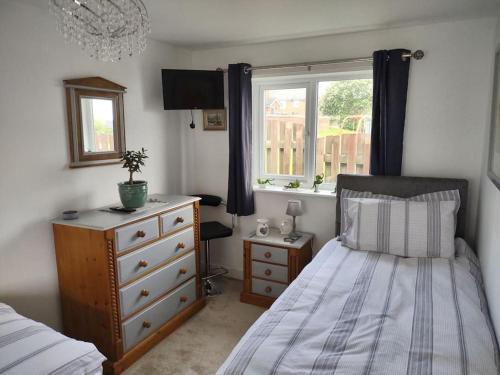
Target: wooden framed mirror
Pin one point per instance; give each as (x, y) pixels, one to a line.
(95, 121)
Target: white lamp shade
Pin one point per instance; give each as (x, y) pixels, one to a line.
(294, 208)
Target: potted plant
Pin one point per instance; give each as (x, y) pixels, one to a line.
(264, 181)
(292, 185)
(318, 180)
(133, 194)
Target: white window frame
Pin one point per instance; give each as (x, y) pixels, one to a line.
(310, 82)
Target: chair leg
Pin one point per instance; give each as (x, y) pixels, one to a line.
(207, 258)
(210, 287)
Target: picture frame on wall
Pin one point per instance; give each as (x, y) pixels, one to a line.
(214, 119)
(494, 152)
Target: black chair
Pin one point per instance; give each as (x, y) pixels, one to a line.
(211, 230)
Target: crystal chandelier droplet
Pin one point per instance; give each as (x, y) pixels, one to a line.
(107, 30)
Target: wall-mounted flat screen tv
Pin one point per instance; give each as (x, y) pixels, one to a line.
(192, 89)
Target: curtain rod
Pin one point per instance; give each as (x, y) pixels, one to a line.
(417, 55)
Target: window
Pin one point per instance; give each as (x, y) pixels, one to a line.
(312, 125)
(284, 131)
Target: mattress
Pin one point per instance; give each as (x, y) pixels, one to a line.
(356, 312)
(29, 347)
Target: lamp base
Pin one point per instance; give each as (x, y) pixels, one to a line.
(294, 236)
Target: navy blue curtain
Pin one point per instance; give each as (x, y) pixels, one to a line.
(390, 84)
(240, 192)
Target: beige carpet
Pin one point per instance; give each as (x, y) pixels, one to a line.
(202, 344)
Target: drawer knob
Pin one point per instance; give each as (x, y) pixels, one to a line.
(268, 289)
(141, 233)
(268, 272)
(182, 271)
(181, 245)
(183, 299)
(179, 219)
(145, 292)
(146, 324)
(268, 255)
(143, 263)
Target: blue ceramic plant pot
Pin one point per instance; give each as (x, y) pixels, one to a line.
(135, 195)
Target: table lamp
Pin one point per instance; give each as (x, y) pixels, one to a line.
(294, 209)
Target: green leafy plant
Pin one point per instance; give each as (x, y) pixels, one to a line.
(265, 181)
(318, 180)
(133, 160)
(345, 99)
(293, 184)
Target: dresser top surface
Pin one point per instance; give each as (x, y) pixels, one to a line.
(103, 219)
(277, 239)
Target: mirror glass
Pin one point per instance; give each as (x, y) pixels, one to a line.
(97, 124)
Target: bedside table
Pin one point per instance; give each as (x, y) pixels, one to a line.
(270, 264)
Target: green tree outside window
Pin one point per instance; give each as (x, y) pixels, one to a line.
(344, 100)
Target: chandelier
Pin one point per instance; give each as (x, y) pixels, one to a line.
(106, 29)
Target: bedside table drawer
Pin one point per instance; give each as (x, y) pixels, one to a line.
(135, 234)
(140, 261)
(267, 288)
(176, 219)
(270, 254)
(270, 271)
(145, 290)
(148, 321)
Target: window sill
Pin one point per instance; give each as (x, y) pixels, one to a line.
(299, 191)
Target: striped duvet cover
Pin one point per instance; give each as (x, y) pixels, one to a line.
(29, 347)
(356, 312)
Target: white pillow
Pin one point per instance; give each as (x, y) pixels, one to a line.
(401, 227)
(445, 195)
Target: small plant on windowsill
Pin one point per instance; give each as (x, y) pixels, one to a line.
(318, 180)
(133, 193)
(292, 185)
(263, 182)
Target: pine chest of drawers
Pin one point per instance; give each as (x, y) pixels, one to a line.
(128, 280)
(270, 264)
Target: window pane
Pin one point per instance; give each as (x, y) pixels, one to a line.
(97, 123)
(344, 127)
(284, 127)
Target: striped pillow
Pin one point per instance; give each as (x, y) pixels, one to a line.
(445, 195)
(401, 227)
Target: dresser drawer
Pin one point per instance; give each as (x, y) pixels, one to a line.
(135, 234)
(148, 321)
(138, 262)
(270, 271)
(270, 254)
(176, 219)
(142, 291)
(267, 288)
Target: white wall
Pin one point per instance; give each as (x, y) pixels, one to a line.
(489, 246)
(36, 183)
(489, 221)
(446, 114)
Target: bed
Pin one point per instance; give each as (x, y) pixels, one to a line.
(29, 347)
(359, 312)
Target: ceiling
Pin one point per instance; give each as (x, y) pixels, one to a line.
(211, 23)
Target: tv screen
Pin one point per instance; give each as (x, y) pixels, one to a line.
(192, 89)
